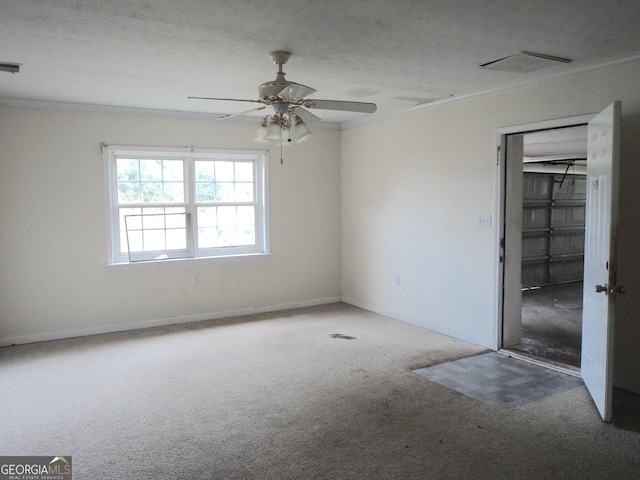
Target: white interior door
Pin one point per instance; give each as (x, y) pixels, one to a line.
(600, 286)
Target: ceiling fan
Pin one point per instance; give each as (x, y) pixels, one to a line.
(287, 124)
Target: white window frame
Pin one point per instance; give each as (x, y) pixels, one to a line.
(188, 156)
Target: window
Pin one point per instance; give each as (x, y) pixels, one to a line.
(176, 203)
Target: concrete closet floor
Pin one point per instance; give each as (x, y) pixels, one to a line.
(552, 323)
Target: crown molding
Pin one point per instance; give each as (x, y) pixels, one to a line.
(120, 110)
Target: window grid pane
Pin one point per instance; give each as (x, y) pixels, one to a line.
(150, 190)
(142, 181)
(225, 193)
(224, 226)
(224, 182)
(152, 230)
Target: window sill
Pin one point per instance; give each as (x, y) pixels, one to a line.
(188, 261)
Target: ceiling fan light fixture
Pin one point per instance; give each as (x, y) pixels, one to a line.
(282, 129)
(301, 131)
(274, 132)
(261, 133)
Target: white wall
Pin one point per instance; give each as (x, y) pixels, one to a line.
(53, 277)
(412, 190)
(403, 201)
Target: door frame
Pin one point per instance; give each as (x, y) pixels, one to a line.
(501, 190)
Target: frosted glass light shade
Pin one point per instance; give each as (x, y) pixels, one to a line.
(302, 132)
(261, 133)
(274, 133)
(282, 130)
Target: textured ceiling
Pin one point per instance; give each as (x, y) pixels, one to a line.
(152, 54)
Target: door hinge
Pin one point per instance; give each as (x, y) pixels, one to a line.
(498, 155)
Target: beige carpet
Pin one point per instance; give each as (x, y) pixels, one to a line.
(318, 393)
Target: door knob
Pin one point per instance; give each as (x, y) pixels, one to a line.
(602, 289)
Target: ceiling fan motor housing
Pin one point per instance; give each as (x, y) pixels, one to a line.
(280, 57)
(270, 90)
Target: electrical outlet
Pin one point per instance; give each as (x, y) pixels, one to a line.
(484, 219)
(398, 280)
(196, 279)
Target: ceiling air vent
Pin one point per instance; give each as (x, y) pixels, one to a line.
(10, 67)
(524, 62)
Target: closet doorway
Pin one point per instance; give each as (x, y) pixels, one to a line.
(553, 202)
(601, 287)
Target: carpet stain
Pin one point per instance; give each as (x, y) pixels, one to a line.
(340, 335)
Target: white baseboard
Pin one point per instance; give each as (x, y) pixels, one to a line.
(420, 323)
(161, 322)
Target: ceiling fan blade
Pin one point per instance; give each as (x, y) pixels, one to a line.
(360, 107)
(296, 91)
(225, 99)
(306, 115)
(224, 117)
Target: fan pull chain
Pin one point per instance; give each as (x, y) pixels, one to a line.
(281, 160)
